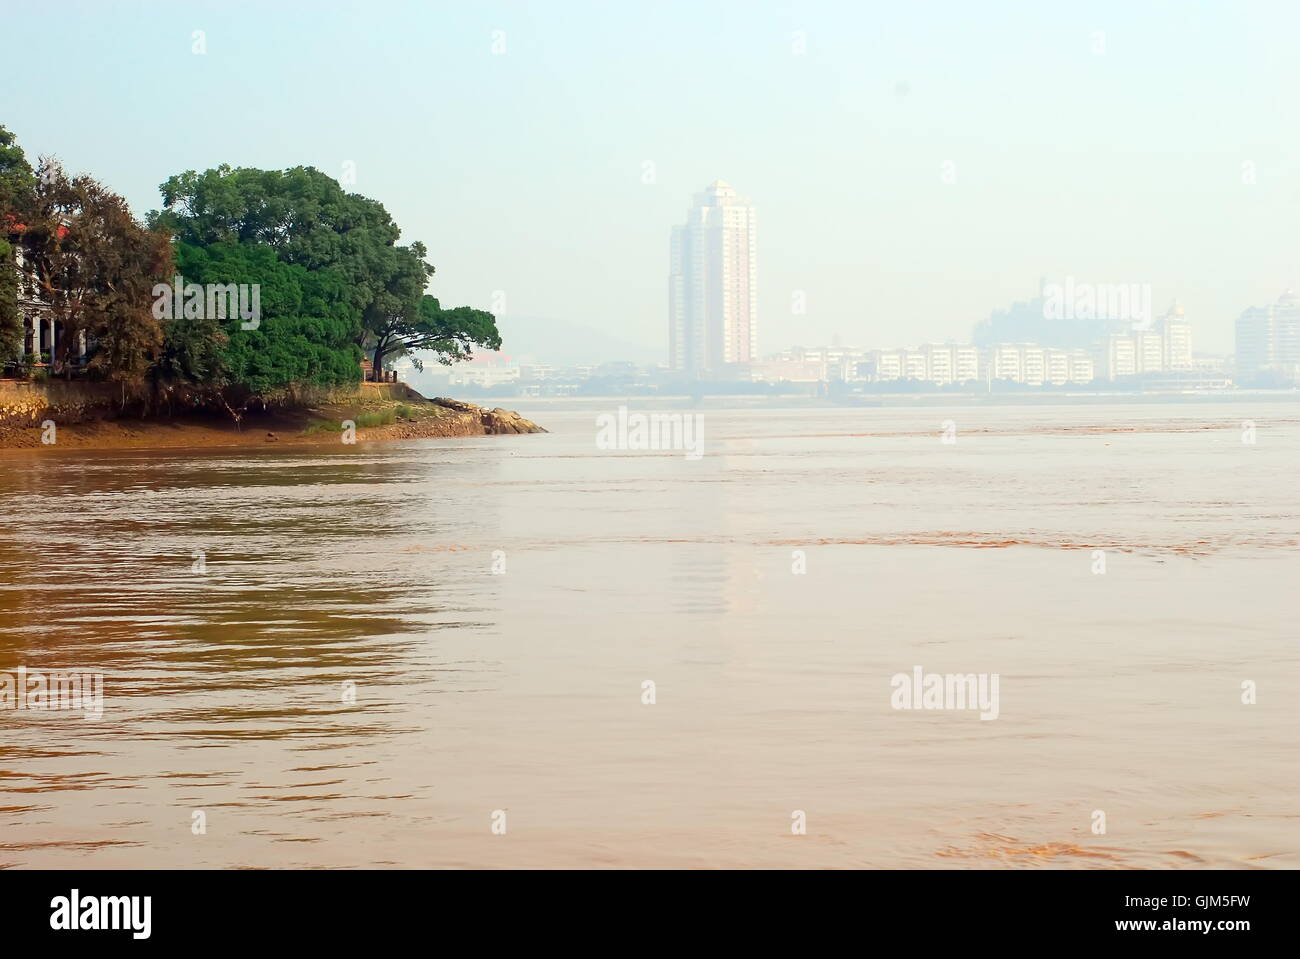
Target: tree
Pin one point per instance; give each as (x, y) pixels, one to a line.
(17, 182)
(309, 221)
(96, 267)
(305, 335)
(17, 188)
(301, 213)
(450, 334)
(11, 323)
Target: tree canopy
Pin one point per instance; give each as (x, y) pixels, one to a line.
(309, 221)
(334, 282)
(17, 181)
(449, 334)
(95, 266)
(17, 186)
(305, 335)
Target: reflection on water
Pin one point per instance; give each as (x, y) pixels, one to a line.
(313, 650)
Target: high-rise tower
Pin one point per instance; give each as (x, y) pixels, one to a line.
(712, 296)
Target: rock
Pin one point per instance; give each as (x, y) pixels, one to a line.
(495, 421)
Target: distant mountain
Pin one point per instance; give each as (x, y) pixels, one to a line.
(560, 343)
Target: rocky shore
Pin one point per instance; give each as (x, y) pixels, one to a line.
(493, 421)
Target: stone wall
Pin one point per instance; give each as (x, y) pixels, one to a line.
(389, 391)
(28, 403)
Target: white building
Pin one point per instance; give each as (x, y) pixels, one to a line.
(1034, 365)
(41, 337)
(1006, 362)
(806, 364)
(712, 284)
(1165, 348)
(1177, 334)
(888, 364)
(485, 375)
(1268, 339)
(1082, 367)
(939, 363)
(783, 370)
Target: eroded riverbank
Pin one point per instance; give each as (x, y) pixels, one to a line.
(372, 419)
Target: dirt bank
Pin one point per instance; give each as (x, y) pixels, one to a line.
(369, 419)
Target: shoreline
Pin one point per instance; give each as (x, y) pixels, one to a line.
(375, 419)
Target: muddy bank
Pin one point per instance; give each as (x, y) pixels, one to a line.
(365, 419)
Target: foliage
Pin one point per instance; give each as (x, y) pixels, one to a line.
(302, 214)
(305, 335)
(11, 327)
(308, 220)
(449, 334)
(332, 280)
(17, 187)
(17, 181)
(95, 266)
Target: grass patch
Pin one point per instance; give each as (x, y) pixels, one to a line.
(383, 418)
(322, 426)
(364, 419)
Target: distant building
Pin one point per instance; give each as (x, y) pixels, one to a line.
(1165, 348)
(712, 284)
(1268, 341)
(782, 371)
(1177, 334)
(939, 363)
(798, 364)
(486, 375)
(1033, 365)
(538, 372)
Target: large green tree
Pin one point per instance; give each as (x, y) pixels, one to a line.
(310, 221)
(17, 192)
(301, 213)
(305, 333)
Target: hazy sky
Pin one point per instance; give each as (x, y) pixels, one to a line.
(523, 171)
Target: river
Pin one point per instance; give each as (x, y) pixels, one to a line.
(443, 653)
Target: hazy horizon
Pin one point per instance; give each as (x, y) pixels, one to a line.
(1107, 145)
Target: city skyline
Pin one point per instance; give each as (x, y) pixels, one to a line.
(1028, 342)
(907, 174)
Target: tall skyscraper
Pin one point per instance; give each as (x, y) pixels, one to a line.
(1268, 341)
(712, 284)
